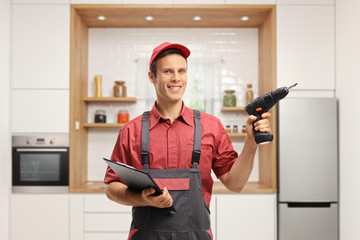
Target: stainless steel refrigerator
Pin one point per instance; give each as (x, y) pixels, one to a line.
(308, 169)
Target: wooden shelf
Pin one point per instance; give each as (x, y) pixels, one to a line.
(232, 109)
(237, 134)
(103, 125)
(110, 99)
(250, 187)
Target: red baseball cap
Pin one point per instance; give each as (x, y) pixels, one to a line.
(166, 45)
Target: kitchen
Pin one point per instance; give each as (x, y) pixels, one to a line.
(320, 81)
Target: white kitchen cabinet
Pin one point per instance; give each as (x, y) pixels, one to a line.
(264, 2)
(246, 216)
(147, 1)
(40, 47)
(233, 216)
(39, 216)
(198, 1)
(305, 47)
(40, 111)
(94, 216)
(106, 236)
(306, 2)
(95, 1)
(41, 1)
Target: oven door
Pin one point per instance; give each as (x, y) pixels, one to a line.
(40, 166)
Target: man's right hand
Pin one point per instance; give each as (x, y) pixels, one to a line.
(162, 201)
(119, 192)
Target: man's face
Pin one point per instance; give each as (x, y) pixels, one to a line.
(171, 78)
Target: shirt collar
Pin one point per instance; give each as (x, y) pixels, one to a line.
(186, 115)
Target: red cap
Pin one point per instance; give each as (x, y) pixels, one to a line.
(166, 45)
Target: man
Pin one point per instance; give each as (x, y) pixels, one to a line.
(178, 147)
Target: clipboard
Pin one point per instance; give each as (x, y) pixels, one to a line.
(134, 179)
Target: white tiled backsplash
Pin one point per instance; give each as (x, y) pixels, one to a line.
(227, 56)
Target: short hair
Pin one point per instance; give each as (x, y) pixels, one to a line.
(163, 54)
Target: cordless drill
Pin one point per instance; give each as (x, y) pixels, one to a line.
(263, 104)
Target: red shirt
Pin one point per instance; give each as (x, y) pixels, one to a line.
(171, 146)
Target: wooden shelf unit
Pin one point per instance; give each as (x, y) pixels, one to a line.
(111, 99)
(103, 125)
(232, 109)
(237, 134)
(83, 17)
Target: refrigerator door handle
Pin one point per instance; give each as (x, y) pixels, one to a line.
(309, 204)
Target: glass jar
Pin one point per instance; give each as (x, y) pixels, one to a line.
(100, 116)
(229, 99)
(243, 129)
(123, 116)
(249, 94)
(119, 89)
(228, 128)
(235, 129)
(123, 89)
(98, 80)
(116, 89)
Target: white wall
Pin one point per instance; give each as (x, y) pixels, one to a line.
(347, 90)
(5, 116)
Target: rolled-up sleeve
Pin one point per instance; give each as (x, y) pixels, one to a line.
(119, 154)
(224, 155)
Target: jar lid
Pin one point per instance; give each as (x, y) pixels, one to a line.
(123, 111)
(119, 82)
(249, 85)
(100, 111)
(229, 91)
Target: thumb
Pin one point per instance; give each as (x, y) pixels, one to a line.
(250, 120)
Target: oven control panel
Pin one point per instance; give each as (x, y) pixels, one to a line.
(40, 141)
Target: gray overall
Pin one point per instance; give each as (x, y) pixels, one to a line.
(191, 221)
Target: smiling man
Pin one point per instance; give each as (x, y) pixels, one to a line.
(178, 147)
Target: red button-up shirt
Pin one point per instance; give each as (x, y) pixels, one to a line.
(171, 146)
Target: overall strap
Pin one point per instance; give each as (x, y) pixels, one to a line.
(197, 140)
(145, 140)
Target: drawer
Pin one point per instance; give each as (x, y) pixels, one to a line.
(100, 203)
(105, 236)
(105, 222)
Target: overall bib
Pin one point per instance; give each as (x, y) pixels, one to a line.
(191, 221)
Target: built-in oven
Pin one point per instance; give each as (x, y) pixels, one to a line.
(40, 163)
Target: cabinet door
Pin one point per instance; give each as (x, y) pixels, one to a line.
(306, 47)
(40, 47)
(39, 216)
(41, 1)
(94, 216)
(307, 2)
(40, 111)
(246, 216)
(265, 2)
